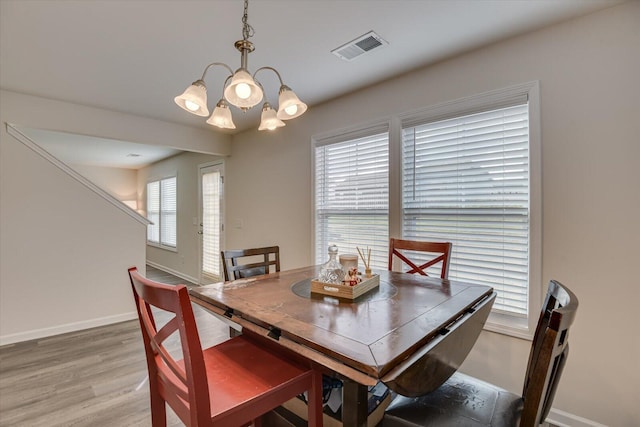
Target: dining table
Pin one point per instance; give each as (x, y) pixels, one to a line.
(411, 332)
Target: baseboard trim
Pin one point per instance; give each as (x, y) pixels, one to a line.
(558, 418)
(63, 329)
(172, 271)
(85, 324)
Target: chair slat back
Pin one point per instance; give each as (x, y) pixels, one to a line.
(439, 252)
(182, 383)
(549, 352)
(235, 268)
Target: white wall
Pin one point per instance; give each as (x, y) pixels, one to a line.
(64, 250)
(184, 261)
(267, 192)
(588, 70)
(119, 182)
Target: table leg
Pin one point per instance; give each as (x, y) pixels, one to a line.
(354, 404)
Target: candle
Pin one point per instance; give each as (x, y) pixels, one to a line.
(348, 261)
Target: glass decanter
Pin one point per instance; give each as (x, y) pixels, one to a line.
(331, 271)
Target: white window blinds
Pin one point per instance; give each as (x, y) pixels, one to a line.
(168, 206)
(352, 197)
(161, 210)
(211, 196)
(153, 211)
(466, 180)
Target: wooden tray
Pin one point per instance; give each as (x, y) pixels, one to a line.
(345, 291)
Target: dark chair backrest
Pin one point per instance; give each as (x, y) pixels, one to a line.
(441, 253)
(234, 268)
(549, 352)
(183, 385)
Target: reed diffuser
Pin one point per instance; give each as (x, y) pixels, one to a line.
(366, 261)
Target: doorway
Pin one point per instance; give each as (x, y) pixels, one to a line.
(210, 189)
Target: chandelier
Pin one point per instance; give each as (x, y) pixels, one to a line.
(242, 90)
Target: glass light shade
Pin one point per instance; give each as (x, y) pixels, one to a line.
(243, 92)
(289, 106)
(194, 99)
(221, 116)
(269, 120)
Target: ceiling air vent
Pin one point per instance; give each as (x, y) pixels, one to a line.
(359, 46)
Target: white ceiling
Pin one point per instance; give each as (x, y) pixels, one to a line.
(76, 149)
(135, 56)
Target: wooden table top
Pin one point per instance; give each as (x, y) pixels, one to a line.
(371, 334)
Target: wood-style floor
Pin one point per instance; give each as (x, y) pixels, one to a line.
(95, 377)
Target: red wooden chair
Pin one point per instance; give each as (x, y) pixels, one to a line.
(440, 252)
(467, 401)
(229, 384)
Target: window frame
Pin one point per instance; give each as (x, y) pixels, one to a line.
(345, 135)
(159, 244)
(497, 322)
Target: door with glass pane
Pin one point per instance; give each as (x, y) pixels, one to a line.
(211, 224)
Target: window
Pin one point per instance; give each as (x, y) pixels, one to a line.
(352, 196)
(465, 171)
(466, 180)
(161, 210)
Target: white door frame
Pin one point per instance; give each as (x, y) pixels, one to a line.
(217, 165)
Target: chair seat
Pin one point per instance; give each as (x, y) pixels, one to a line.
(268, 372)
(232, 383)
(461, 401)
(467, 401)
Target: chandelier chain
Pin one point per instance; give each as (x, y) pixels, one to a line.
(247, 30)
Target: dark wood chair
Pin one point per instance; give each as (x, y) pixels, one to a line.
(468, 401)
(235, 268)
(438, 251)
(229, 384)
